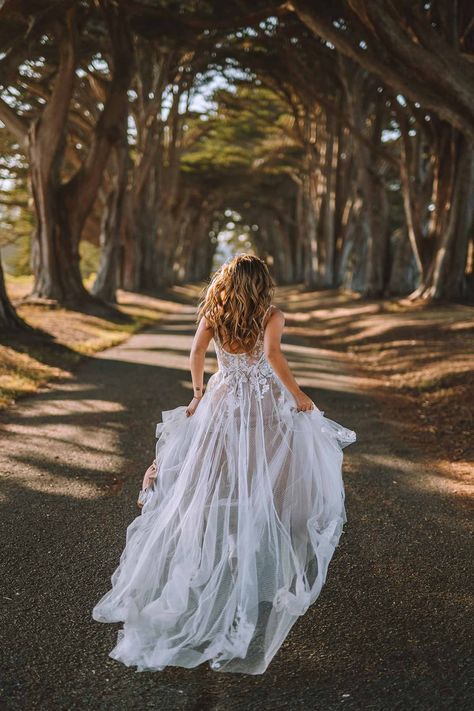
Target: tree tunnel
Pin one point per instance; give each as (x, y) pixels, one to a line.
(357, 170)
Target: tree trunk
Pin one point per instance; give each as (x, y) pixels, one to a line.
(129, 248)
(63, 208)
(106, 283)
(311, 263)
(404, 273)
(446, 277)
(328, 204)
(9, 318)
(378, 270)
(55, 254)
(411, 191)
(55, 257)
(299, 233)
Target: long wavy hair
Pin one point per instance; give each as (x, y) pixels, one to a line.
(236, 299)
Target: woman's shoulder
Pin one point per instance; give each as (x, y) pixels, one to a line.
(274, 312)
(206, 324)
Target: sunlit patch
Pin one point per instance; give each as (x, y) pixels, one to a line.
(53, 485)
(453, 478)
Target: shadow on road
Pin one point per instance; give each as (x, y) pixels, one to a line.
(389, 629)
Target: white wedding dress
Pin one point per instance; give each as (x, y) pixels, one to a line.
(234, 541)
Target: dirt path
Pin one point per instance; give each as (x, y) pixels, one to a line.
(389, 631)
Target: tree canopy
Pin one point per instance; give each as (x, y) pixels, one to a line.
(341, 135)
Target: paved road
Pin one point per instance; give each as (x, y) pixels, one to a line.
(389, 631)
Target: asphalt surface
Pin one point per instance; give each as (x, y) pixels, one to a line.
(392, 628)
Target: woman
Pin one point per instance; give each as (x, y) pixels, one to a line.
(246, 506)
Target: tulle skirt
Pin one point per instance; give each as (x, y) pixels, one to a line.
(234, 541)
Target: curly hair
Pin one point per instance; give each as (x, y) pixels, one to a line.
(236, 299)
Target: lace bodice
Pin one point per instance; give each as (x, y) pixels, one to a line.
(245, 369)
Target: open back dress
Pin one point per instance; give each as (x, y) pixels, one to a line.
(235, 538)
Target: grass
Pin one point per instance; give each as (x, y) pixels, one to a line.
(22, 374)
(62, 339)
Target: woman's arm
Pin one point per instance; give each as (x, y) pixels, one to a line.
(197, 357)
(272, 349)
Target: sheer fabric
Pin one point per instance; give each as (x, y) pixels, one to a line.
(235, 539)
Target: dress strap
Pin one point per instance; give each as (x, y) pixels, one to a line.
(265, 316)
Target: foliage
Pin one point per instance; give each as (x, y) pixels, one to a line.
(16, 214)
(340, 136)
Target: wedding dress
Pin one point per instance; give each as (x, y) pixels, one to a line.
(234, 541)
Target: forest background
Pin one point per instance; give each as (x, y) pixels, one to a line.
(144, 142)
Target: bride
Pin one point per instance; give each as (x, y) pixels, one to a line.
(244, 506)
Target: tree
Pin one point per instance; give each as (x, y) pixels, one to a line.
(63, 195)
(420, 50)
(343, 143)
(9, 318)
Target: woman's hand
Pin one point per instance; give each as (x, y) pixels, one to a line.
(303, 402)
(192, 407)
(150, 475)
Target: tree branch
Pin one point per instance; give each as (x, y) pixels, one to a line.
(82, 188)
(17, 126)
(393, 73)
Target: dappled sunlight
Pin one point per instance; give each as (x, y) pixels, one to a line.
(459, 326)
(133, 300)
(164, 352)
(422, 474)
(84, 420)
(190, 292)
(169, 348)
(415, 360)
(54, 444)
(43, 480)
(345, 318)
(327, 382)
(73, 458)
(457, 477)
(350, 312)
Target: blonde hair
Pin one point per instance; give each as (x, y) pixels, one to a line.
(236, 299)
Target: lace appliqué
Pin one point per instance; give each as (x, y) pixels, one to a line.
(240, 370)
